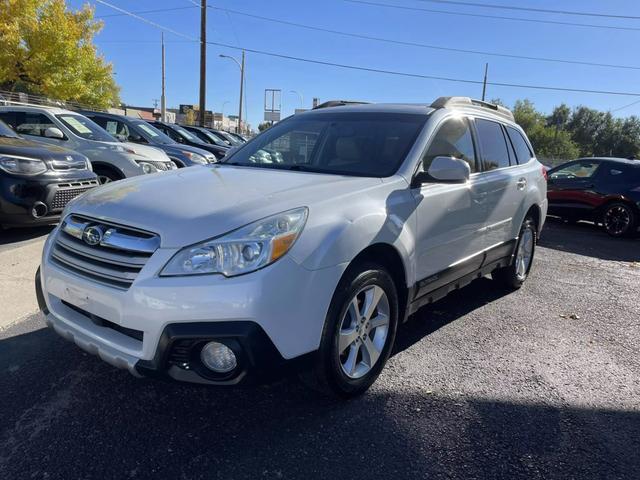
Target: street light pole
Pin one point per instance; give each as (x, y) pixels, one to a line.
(203, 59)
(300, 97)
(163, 100)
(241, 66)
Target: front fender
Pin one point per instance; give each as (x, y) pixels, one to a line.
(338, 237)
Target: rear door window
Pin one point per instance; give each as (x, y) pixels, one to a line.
(493, 144)
(523, 152)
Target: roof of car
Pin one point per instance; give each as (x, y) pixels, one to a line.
(635, 162)
(450, 103)
(36, 108)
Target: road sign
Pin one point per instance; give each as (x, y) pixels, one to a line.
(272, 104)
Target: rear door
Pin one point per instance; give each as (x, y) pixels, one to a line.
(504, 186)
(571, 188)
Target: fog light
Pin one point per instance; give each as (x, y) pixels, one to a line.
(218, 357)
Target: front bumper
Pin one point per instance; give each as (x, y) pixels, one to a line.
(19, 195)
(272, 319)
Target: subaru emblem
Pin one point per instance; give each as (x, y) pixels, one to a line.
(92, 235)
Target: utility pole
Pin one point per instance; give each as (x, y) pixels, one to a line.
(203, 59)
(484, 83)
(163, 100)
(239, 129)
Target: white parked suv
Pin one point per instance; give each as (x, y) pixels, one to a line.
(303, 261)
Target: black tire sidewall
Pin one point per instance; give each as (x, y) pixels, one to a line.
(632, 223)
(354, 281)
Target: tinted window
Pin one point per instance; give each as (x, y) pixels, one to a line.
(363, 144)
(5, 131)
(151, 132)
(576, 170)
(493, 144)
(618, 173)
(453, 139)
(28, 123)
(523, 152)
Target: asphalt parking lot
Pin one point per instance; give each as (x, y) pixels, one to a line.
(539, 383)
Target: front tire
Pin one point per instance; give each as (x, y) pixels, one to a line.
(514, 275)
(359, 333)
(619, 220)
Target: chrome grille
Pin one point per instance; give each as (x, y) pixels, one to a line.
(103, 252)
(70, 190)
(70, 164)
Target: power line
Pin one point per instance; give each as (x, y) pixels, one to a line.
(429, 77)
(421, 45)
(157, 10)
(145, 20)
(531, 9)
(382, 71)
(479, 15)
(625, 106)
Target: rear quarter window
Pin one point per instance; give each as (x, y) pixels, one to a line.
(520, 145)
(493, 144)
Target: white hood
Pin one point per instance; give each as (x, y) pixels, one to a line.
(193, 204)
(141, 152)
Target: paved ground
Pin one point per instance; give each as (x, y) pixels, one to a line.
(542, 383)
(20, 252)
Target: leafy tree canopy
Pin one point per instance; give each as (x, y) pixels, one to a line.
(48, 50)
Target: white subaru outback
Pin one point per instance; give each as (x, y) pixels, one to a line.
(301, 251)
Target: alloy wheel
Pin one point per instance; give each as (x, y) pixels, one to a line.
(104, 179)
(363, 333)
(617, 220)
(524, 255)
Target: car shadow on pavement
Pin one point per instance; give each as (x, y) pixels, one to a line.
(15, 235)
(586, 239)
(66, 415)
(452, 307)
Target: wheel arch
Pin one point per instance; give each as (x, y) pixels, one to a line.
(108, 167)
(389, 257)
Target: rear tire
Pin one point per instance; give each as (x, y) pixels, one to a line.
(619, 220)
(514, 275)
(358, 335)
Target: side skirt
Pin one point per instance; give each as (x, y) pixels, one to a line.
(453, 278)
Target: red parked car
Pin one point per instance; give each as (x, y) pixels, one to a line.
(604, 190)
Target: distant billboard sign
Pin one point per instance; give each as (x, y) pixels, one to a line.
(271, 116)
(272, 104)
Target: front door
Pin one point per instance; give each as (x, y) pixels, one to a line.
(570, 189)
(450, 217)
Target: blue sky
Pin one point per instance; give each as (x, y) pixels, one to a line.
(133, 48)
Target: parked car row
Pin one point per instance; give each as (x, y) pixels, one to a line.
(51, 155)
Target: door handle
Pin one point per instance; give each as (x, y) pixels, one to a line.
(521, 183)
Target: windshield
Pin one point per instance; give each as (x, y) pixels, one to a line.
(362, 144)
(151, 132)
(5, 131)
(186, 133)
(214, 138)
(85, 128)
(230, 138)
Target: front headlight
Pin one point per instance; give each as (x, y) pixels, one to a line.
(148, 167)
(195, 157)
(242, 251)
(22, 165)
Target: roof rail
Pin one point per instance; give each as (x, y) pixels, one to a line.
(444, 102)
(338, 103)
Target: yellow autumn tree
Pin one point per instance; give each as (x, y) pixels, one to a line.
(47, 49)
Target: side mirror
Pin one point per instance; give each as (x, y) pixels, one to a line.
(54, 132)
(444, 170)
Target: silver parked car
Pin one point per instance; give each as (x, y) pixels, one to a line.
(112, 160)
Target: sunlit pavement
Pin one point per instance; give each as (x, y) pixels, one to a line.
(540, 383)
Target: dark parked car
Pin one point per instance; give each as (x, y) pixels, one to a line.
(139, 131)
(38, 180)
(604, 190)
(208, 136)
(185, 137)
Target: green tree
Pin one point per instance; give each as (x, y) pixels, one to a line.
(551, 142)
(263, 126)
(47, 49)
